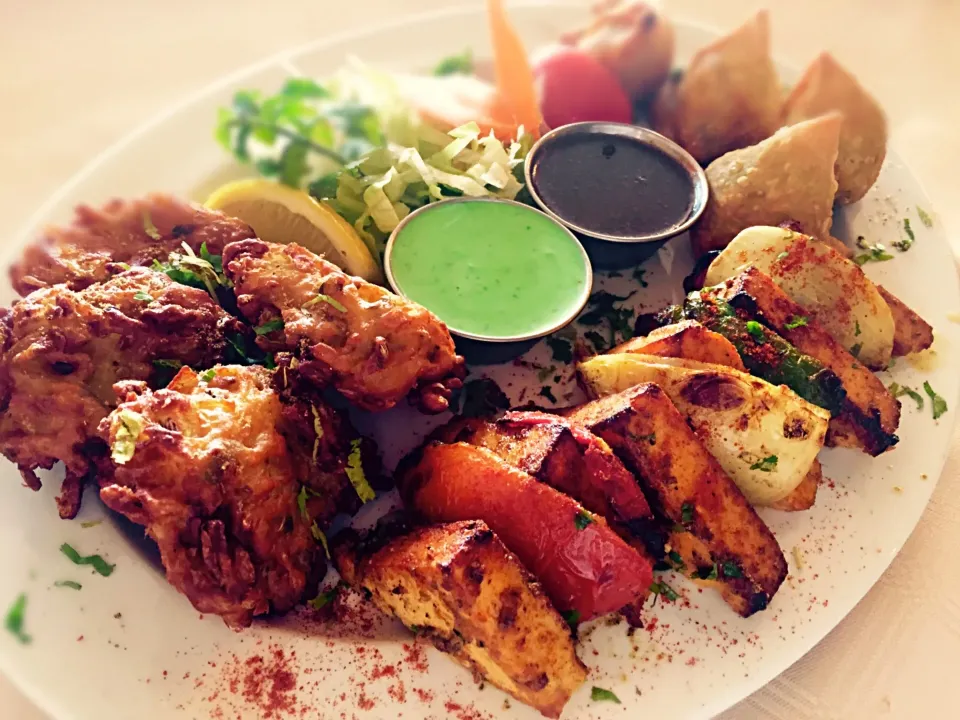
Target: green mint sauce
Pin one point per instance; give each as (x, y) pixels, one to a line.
(489, 268)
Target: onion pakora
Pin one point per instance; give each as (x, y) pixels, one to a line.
(235, 480)
(371, 345)
(102, 242)
(64, 350)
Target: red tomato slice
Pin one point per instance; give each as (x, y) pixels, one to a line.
(575, 87)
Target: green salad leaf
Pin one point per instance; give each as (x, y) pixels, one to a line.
(461, 64)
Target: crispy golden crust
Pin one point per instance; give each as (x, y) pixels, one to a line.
(460, 586)
(64, 351)
(92, 249)
(870, 414)
(728, 97)
(686, 339)
(214, 480)
(375, 352)
(687, 486)
(787, 177)
(826, 86)
(911, 333)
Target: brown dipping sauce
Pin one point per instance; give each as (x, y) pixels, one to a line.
(612, 184)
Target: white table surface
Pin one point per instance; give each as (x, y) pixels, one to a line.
(76, 76)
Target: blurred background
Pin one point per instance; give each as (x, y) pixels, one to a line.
(79, 76)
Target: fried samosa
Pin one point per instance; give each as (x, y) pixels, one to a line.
(787, 177)
(826, 86)
(728, 97)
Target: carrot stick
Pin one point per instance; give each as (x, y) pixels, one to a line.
(516, 100)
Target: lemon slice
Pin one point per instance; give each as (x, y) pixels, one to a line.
(281, 214)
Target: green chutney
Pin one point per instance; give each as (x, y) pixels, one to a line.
(493, 269)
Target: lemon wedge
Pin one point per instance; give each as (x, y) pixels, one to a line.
(281, 214)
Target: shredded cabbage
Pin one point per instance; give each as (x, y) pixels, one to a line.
(377, 191)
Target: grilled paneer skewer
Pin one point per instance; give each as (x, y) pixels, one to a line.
(64, 350)
(869, 414)
(102, 242)
(583, 565)
(572, 460)
(717, 533)
(234, 483)
(459, 586)
(371, 345)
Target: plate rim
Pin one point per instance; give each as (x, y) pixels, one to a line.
(286, 59)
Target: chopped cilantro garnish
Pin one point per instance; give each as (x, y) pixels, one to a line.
(208, 375)
(597, 340)
(332, 302)
(149, 228)
(546, 392)
(324, 598)
(68, 584)
(796, 321)
(768, 464)
(461, 64)
(783, 255)
(599, 694)
(638, 275)
(709, 573)
(356, 474)
(319, 536)
(188, 269)
(874, 253)
(572, 617)
(676, 560)
(663, 590)
(731, 570)
(856, 328)
(97, 562)
(171, 364)
(582, 519)
(127, 433)
(545, 372)
(603, 308)
(904, 244)
(145, 297)
(14, 619)
(939, 404)
(562, 349)
(482, 398)
(756, 330)
(924, 217)
(855, 350)
(686, 513)
(269, 326)
(317, 425)
(90, 524)
(302, 497)
(900, 390)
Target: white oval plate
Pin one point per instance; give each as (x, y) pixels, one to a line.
(129, 645)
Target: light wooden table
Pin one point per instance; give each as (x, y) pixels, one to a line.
(78, 75)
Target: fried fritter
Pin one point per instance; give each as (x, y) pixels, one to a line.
(212, 466)
(371, 345)
(64, 350)
(133, 232)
